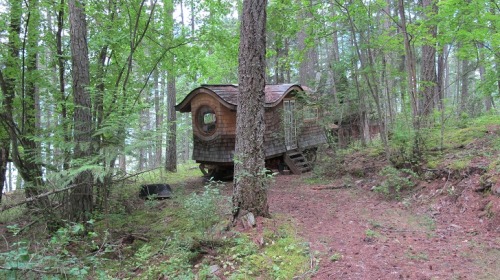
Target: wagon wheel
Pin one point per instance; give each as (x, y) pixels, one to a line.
(223, 173)
(207, 170)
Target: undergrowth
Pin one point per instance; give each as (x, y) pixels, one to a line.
(185, 237)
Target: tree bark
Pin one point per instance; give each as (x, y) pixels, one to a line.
(428, 76)
(61, 69)
(158, 120)
(29, 112)
(81, 197)
(464, 90)
(410, 66)
(250, 187)
(171, 152)
(4, 156)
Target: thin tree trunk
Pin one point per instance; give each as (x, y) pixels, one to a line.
(171, 152)
(158, 120)
(464, 90)
(4, 156)
(62, 84)
(410, 66)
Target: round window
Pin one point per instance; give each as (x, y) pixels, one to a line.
(206, 120)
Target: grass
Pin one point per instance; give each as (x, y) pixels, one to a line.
(336, 257)
(460, 164)
(184, 173)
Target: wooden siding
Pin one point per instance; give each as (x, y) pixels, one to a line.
(218, 147)
(218, 150)
(311, 135)
(225, 118)
(274, 136)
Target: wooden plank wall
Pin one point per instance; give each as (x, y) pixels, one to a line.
(274, 137)
(219, 146)
(311, 134)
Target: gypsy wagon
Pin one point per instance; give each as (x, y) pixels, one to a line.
(291, 137)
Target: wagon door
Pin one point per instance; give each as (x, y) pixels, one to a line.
(290, 124)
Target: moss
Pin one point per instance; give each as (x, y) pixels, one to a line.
(283, 256)
(433, 164)
(494, 165)
(460, 164)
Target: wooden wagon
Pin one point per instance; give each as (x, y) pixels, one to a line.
(291, 137)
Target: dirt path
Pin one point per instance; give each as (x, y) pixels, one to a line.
(356, 234)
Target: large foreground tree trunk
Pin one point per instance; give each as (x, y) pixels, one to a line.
(81, 197)
(250, 187)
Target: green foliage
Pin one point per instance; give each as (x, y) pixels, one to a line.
(460, 164)
(206, 209)
(395, 181)
(336, 257)
(371, 233)
(402, 140)
(62, 257)
(185, 172)
(13, 214)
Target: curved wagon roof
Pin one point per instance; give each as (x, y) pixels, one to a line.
(228, 95)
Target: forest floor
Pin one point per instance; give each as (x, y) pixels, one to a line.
(357, 234)
(445, 227)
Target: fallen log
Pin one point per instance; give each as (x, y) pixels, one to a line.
(330, 187)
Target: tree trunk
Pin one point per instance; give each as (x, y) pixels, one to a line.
(7, 129)
(464, 90)
(410, 66)
(62, 84)
(428, 74)
(158, 120)
(29, 112)
(81, 198)
(171, 152)
(494, 30)
(250, 186)
(21, 134)
(4, 156)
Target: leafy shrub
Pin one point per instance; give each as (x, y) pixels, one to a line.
(395, 181)
(206, 209)
(57, 259)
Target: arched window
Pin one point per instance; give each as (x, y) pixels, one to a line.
(206, 120)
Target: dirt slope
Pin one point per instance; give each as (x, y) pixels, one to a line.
(439, 232)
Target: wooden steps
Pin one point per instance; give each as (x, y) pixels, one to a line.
(297, 162)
